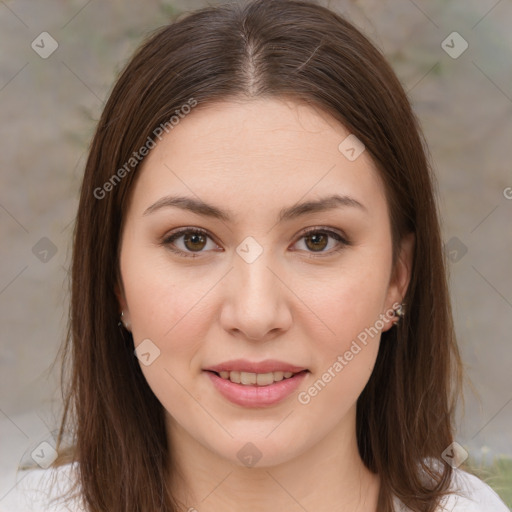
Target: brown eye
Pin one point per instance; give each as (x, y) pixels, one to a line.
(193, 241)
(317, 241)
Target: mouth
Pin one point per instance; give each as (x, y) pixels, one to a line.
(256, 384)
(256, 389)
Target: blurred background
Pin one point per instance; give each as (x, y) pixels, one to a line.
(58, 62)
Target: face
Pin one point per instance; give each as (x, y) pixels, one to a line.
(254, 276)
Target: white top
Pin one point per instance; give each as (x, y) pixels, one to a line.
(34, 489)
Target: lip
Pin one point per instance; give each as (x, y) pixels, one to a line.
(256, 396)
(266, 366)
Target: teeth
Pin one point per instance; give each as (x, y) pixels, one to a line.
(250, 379)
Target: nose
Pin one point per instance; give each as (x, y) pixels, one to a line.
(256, 302)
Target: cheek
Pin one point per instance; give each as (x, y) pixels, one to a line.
(169, 309)
(345, 357)
(351, 302)
(164, 304)
(350, 306)
(166, 308)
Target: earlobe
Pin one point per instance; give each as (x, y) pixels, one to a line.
(124, 315)
(400, 281)
(125, 321)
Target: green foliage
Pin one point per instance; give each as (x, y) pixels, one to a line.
(497, 475)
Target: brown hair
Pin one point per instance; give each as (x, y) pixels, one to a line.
(284, 48)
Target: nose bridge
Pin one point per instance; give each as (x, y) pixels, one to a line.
(256, 304)
(255, 284)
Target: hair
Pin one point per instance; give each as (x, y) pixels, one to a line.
(289, 49)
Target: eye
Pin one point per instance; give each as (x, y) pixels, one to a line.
(194, 240)
(316, 240)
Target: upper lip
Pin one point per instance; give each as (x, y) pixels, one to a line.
(266, 366)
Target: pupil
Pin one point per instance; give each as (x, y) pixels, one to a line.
(316, 238)
(195, 239)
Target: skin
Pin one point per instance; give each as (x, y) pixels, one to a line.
(254, 158)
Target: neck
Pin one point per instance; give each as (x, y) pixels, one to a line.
(328, 476)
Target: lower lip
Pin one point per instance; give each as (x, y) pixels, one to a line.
(256, 396)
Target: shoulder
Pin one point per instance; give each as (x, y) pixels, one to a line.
(42, 490)
(473, 495)
(468, 494)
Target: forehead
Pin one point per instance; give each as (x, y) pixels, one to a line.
(278, 149)
(267, 127)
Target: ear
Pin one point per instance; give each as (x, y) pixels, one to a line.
(123, 306)
(401, 276)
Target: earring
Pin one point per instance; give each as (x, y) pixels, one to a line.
(400, 312)
(123, 322)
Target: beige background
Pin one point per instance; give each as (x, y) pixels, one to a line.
(49, 109)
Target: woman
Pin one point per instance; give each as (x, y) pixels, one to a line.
(259, 314)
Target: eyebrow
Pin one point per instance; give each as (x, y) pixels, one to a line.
(202, 208)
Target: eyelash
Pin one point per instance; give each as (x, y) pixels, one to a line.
(343, 241)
